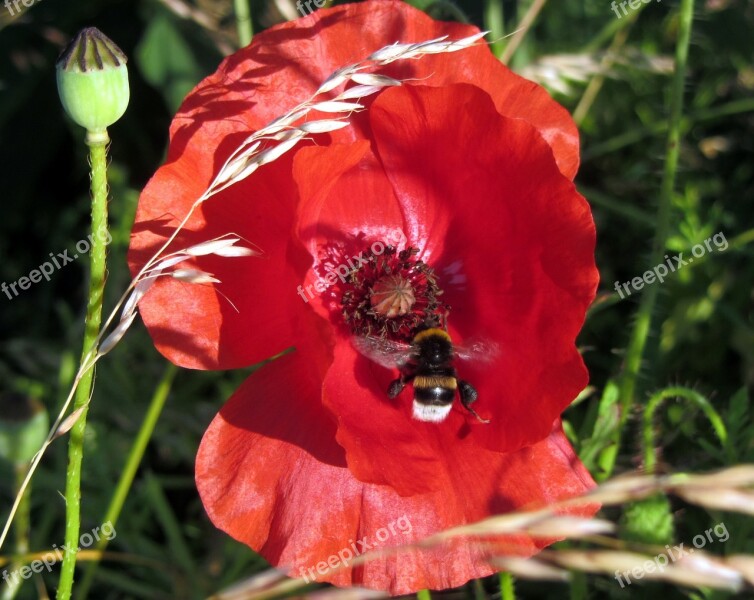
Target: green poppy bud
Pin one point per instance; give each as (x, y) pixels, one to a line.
(93, 80)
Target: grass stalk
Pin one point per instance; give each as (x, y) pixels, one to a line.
(128, 474)
(22, 528)
(639, 334)
(523, 28)
(243, 22)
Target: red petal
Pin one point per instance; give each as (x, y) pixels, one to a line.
(513, 245)
(254, 312)
(511, 240)
(344, 194)
(345, 34)
(282, 67)
(518, 274)
(283, 489)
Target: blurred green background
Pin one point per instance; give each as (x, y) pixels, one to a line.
(612, 73)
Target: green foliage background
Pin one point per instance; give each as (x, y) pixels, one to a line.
(702, 333)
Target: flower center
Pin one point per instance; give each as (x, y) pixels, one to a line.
(391, 294)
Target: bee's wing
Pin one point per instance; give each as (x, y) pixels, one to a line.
(477, 350)
(384, 352)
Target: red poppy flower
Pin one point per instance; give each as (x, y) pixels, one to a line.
(450, 198)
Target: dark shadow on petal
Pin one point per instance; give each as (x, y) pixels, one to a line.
(282, 401)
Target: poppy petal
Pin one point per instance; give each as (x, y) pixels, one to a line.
(514, 250)
(252, 88)
(211, 327)
(513, 245)
(285, 491)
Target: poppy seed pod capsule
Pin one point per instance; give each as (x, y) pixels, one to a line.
(93, 80)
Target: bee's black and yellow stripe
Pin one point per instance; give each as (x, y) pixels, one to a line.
(434, 389)
(429, 381)
(433, 332)
(435, 383)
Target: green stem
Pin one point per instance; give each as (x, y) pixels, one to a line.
(609, 31)
(243, 22)
(607, 300)
(650, 456)
(22, 527)
(97, 263)
(129, 471)
(479, 593)
(638, 340)
(596, 83)
(423, 595)
(442, 9)
(636, 135)
(506, 587)
(578, 587)
(619, 207)
(523, 28)
(493, 22)
(617, 30)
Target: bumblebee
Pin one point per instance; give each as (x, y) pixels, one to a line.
(426, 363)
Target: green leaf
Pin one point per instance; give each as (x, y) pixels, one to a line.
(739, 425)
(167, 62)
(23, 428)
(602, 439)
(648, 521)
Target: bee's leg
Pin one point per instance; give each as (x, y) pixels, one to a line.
(396, 387)
(469, 395)
(444, 320)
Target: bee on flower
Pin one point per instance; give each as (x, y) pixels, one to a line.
(323, 445)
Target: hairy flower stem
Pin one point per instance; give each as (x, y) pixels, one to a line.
(694, 397)
(129, 471)
(640, 332)
(97, 263)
